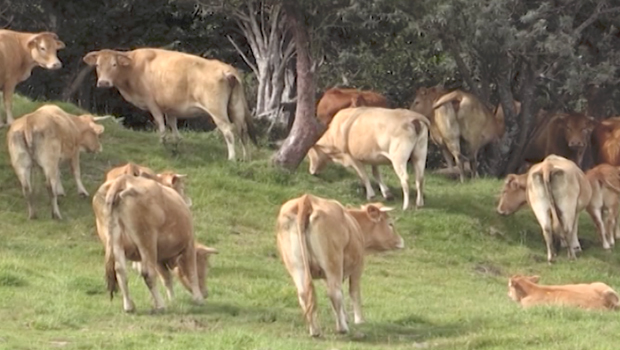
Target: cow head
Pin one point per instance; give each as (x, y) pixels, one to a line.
(515, 288)
(318, 160)
(90, 132)
(513, 195)
(43, 49)
(377, 227)
(175, 181)
(111, 65)
(202, 268)
(577, 129)
(424, 99)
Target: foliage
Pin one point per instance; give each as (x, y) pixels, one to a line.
(445, 290)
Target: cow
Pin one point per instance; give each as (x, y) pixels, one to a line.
(605, 140)
(562, 134)
(604, 204)
(556, 190)
(20, 53)
(335, 99)
(318, 238)
(175, 84)
(458, 115)
(376, 136)
(141, 214)
(46, 137)
(526, 291)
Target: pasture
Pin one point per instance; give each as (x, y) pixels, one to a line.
(445, 290)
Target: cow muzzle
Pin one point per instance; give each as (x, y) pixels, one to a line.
(104, 83)
(55, 65)
(576, 145)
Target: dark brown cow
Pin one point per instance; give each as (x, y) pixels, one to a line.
(564, 134)
(335, 99)
(606, 142)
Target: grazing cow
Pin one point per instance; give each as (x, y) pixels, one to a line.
(335, 99)
(458, 115)
(175, 84)
(526, 291)
(376, 136)
(562, 134)
(140, 214)
(556, 190)
(603, 208)
(320, 239)
(46, 137)
(19, 54)
(606, 142)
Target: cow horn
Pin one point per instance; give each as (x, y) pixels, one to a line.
(102, 118)
(384, 209)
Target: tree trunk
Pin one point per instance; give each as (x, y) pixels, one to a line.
(306, 128)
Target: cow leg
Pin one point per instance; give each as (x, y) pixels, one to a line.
(22, 164)
(75, 168)
(385, 190)
(354, 292)
(120, 268)
(418, 163)
(473, 164)
(361, 172)
(166, 278)
(51, 182)
(7, 94)
(542, 211)
(612, 230)
(400, 167)
(448, 157)
(595, 213)
(229, 136)
(187, 263)
(158, 117)
(172, 123)
(334, 291)
(149, 273)
(572, 240)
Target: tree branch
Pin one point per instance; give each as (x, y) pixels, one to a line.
(594, 16)
(245, 58)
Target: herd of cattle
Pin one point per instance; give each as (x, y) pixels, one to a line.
(145, 217)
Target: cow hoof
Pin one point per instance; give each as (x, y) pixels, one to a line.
(56, 216)
(130, 309)
(84, 194)
(157, 311)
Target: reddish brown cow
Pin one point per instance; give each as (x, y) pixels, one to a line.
(565, 134)
(336, 99)
(606, 142)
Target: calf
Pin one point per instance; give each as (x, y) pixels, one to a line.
(556, 190)
(20, 53)
(157, 221)
(603, 207)
(375, 136)
(606, 142)
(525, 291)
(46, 137)
(320, 239)
(335, 99)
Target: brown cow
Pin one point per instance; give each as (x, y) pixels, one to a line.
(335, 99)
(157, 221)
(376, 136)
(19, 54)
(604, 207)
(131, 250)
(563, 134)
(526, 291)
(556, 190)
(46, 137)
(177, 84)
(457, 115)
(606, 142)
(320, 239)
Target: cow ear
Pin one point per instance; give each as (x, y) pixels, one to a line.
(123, 60)
(98, 129)
(33, 41)
(60, 45)
(91, 58)
(177, 177)
(534, 279)
(373, 212)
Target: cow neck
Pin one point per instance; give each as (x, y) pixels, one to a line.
(122, 82)
(28, 63)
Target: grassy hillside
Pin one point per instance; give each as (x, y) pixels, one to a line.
(446, 290)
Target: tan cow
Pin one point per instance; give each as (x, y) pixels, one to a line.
(526, 291)
(175, 84)
(320, 239)
(376, 136)
(46, 137)
(335, 99)
(604, 204)
(457, 115)
(157, 221)
(168, 179)
(556, 190)
(19, 54)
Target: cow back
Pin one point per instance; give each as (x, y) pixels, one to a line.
(335, 99)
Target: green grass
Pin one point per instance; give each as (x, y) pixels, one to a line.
(446, 290)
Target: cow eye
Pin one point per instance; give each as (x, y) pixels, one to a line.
(42, 48)
(114, 64)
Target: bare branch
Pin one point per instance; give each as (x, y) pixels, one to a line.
(594, 16)
(245, 58)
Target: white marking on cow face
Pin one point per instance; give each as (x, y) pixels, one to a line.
(109, 65)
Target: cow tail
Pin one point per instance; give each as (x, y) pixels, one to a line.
(548, 174)
(611, 299)
(455, 95)
(28, 135)
(611, 185)
(303, 215)
(237, 97)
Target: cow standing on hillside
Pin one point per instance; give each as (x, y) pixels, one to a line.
(335, 99)
(19, 54)
(46, 137)
(376, 136)
(175, 84)
(320, 239)
(604, 204)
(557, 191)
(458, 115)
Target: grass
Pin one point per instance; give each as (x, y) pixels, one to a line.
(446, 290)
